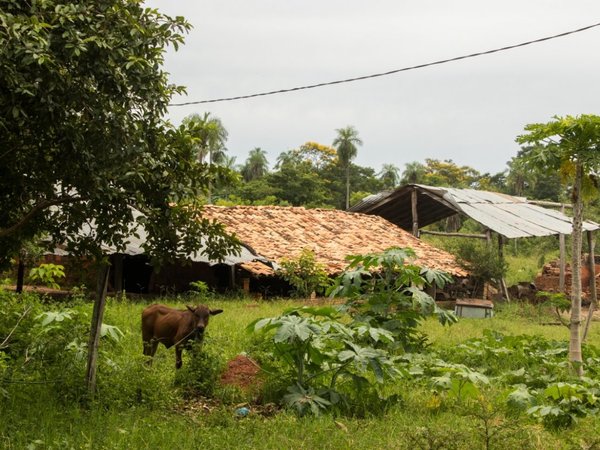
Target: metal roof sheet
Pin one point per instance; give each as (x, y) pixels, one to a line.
(510, 216)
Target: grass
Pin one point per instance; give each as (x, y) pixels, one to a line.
(34, 416)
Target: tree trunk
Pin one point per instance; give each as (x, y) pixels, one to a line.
(348, 187)
(95, 330)
(575, 357)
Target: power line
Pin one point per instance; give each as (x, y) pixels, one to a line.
(391, 72)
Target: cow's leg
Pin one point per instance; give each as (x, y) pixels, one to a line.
(178, 362)
(150, 349)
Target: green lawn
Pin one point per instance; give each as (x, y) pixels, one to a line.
(141, 408)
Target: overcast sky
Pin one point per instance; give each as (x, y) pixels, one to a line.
(469, 111)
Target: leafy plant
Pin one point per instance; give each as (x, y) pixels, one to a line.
(567, 402)
(199, 376)
(47, 274)
(385, 290)
(324, 359)
(482, 261)
(200, 287)
(304, 274)
(557, 302)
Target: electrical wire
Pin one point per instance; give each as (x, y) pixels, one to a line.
(391, 72)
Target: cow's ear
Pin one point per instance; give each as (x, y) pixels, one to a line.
(191, 308)
(214, 312)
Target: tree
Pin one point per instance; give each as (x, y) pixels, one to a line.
(413, 173)
(318, 155)
(256, 165)
(571, 146)
(448, 173)
(209, 137)
(345, 143)
(84, 140)
(389, 176)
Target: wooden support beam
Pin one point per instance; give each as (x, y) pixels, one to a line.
(465, 235)
(546, 203)
(415, 216)
(503, 287)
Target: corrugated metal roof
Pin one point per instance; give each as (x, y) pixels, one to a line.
(510, 216)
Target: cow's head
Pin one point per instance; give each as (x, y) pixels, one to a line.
(201, 315)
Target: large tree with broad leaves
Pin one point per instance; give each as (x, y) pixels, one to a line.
(83, 142)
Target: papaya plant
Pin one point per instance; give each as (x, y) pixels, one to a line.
(386, 290)
(326, 361)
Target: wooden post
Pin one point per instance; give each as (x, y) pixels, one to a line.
(593, 294)
(118, 272)
(232, 280)
(561, 245)
(94, 341)
(20, 276)
(503, 287)
(415, 216)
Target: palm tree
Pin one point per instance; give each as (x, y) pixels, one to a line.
(345, 143)
(256, 165)
(389, 176)
(413, 173)
(210, 136)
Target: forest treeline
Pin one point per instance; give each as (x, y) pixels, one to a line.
(324, 175)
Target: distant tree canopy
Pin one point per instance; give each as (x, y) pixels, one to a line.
(82, 99)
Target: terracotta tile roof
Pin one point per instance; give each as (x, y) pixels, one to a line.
(277, 232)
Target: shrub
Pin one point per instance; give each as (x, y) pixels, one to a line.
(47, 274)
(200, 375)
(482, 261)
(304, 274)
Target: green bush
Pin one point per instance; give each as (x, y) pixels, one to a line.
(200, 374)
(304, 274)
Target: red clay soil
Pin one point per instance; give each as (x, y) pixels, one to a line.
(241, 372)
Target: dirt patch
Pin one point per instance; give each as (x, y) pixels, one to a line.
(242, 372)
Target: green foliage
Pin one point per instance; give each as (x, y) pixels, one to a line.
(482, 261)
(304, 274)
(44, 343)
(47, 274)
(89, 75)
(565, 403)
(200, 287)
(385, 290)
(200, 374)
(326, 362)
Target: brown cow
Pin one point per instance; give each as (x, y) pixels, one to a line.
(173, 327)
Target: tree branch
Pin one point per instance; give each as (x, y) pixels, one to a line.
(4, 232)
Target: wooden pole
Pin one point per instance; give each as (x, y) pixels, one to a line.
(593, 293)
(415, 216)
(503, 287)
(447, 234)
(118, 272)
(94, 341)
(20, 276)
(562, 264)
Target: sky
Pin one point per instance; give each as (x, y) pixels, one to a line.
(468, 111)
